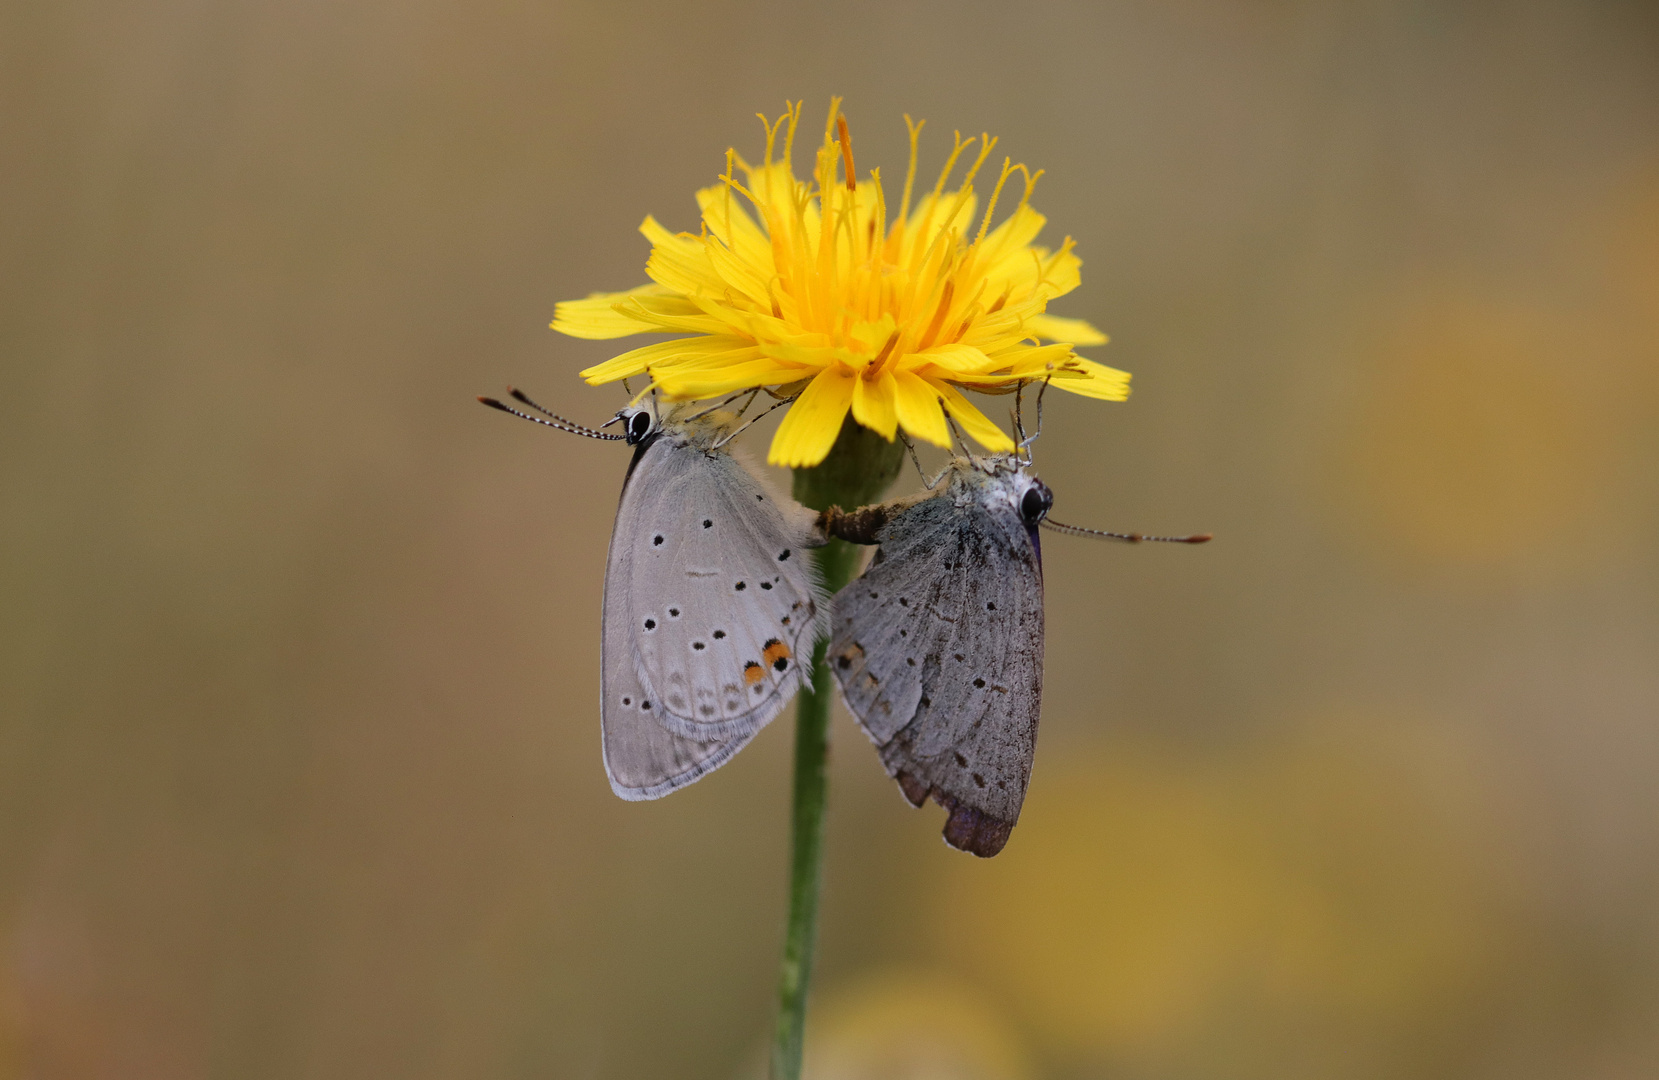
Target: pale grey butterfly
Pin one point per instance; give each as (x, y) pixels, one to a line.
(711, 606)
(938, 647)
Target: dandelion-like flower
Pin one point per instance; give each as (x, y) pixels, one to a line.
(816, 290)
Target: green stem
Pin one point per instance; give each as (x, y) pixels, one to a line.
(858, 469)
(807, 834)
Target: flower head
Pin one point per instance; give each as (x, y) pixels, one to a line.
(819, 289)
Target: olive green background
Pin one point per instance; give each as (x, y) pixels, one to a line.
(299, 757)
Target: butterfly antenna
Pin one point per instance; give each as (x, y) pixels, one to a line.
(522, 397)
(752, 422)
(1132, 538)
(556, 421)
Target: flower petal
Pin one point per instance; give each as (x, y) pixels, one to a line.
(873, 404)
(699, 381)
(997, 329)
(738, 231)
(1060, 271)
(972, 420)
(952, 358)
(1071, 331)
(916, 403)
(809, 430)
(1017, 363)
(743, 278)
(678, 262)
(1012, 236)
(596, 318)
(635, 361)
(671, 315)
(1094, 380)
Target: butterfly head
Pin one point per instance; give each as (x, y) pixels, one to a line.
(1007, 477)
(639, 422)
(1035, 501)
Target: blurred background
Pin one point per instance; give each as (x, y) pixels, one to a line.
(299, 758)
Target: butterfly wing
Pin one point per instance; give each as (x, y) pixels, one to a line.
(643, 759)
(938, 649)
(723, 598)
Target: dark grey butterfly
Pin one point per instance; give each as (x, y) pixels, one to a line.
(938, 647)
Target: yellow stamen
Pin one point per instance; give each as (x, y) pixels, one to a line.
(939, 314)
(892, 340)
(772, 132)
(1031, 179)
(967, 190)
(789, 138)
(950, 164)
(996, 192)
(731, 156)
(878, 223)
(915, 130)
(847, 153)
(829, 122)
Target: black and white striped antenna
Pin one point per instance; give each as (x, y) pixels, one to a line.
(554, 419)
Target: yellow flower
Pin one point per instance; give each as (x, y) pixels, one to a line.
(820, 293)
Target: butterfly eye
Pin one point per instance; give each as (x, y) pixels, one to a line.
(639, 426)
(1036, 502)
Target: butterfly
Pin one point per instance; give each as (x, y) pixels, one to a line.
(938, 646)
(711, 606)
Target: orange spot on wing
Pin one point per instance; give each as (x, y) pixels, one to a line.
(775, 651)
(753, 673)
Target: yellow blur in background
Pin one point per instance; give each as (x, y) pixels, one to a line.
(299, 763)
